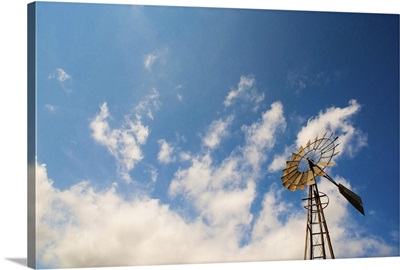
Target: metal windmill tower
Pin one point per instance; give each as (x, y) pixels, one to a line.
(301, 171)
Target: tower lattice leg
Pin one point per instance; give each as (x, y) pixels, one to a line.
(318, 243)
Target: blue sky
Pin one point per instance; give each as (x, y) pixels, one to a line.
(163, 132)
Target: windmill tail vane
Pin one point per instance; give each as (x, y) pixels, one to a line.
(351, 197)
(302, 170)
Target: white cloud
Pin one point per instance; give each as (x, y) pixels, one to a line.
(180, 138)
(51, 108)
(244, 162)
(222, 194)
(149, 60)
(157, 56)
(84, 227)
(154, 174)
(60, 75)
(149, 105)
(179, 97)
(165, 155)
(183, 156)
(125, 143)
(122, 143)
(302, 78)
(81, 227)
(279, 161)
(275, 235)
(338, 121)
(261, 135)
(244, 90)
(216, 131)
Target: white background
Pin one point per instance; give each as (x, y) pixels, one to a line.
(13, 128)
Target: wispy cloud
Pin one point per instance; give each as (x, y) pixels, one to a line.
(51, 108)
(244, 90)
(149, 105)
(157, 56)
(153, 173)
(184, 156)
(338, 121)
(279, 161)
(60, 75)
(245, 83)
(216, 131)
(149, 60)
(123, 143)
(165, 155)
(261, 135)
(303, 78)
(301, 81)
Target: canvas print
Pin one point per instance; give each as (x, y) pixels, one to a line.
(180, 135)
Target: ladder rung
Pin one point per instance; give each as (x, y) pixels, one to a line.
(316, 211)
(318, 233)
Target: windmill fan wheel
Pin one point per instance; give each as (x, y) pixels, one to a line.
(299, 173)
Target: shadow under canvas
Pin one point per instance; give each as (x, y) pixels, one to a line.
(20, 261)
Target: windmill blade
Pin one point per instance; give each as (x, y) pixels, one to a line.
(310, 178)
(318, 171)
(319, 142)
(294, 183)
(353, 198)
(296, 157)
(289, 170)
(314, 143)
(330, 156)
(308, 146)
(301, 151)
(328, 148)
(289, 178)
(316, 139)
(287, 181)
(325, 164)
(290, 164)
(303, 181)
(326, 142)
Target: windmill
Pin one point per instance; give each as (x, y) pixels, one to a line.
(302, 170)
